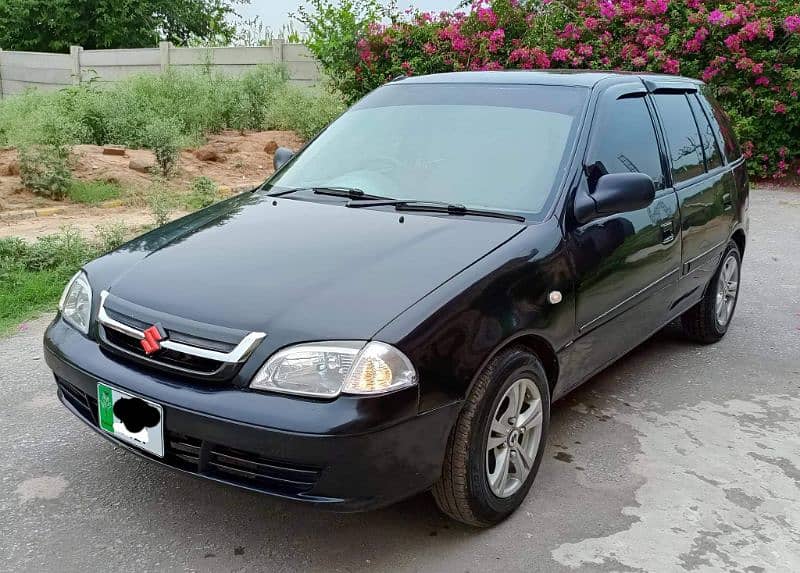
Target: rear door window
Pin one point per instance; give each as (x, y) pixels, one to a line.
(624, 141)
(710, 145)
(685, 148)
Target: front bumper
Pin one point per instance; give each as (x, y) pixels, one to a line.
(349, 454)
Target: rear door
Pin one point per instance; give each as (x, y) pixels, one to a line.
(704, 186)
(626, 265)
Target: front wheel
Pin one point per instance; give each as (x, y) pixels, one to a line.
(496, 446)
(708, 320)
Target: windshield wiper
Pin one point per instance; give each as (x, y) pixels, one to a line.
(436, 207)
(350, 192)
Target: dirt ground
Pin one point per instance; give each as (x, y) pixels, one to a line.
(233, 160)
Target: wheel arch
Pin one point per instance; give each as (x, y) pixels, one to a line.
(537, 345)
(740, 239)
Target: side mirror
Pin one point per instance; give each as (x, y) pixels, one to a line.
(616, 193)
(281, 157)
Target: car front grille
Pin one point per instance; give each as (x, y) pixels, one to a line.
(186, 347)
(130, 346)
(202, 457)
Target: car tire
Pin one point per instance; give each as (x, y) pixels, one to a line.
(470, 488)
(707, 321)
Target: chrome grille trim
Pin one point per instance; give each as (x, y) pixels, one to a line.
(238, 354)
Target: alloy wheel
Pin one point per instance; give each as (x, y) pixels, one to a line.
(513, 440)
(727, 289)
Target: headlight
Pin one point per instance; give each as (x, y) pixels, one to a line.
(76, 302)
(326, 369)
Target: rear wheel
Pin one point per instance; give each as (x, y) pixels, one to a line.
(708, 320)
(496, 446)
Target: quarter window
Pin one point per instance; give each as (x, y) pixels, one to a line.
(713, 155)
(624, 141)
(683, 140)
(723, 124)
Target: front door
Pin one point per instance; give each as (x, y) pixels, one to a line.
(626, 265)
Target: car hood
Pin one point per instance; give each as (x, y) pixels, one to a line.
(309, 270)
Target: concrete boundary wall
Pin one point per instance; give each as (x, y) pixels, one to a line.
(20, 71)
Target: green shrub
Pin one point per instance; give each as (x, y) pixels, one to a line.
(191, 103)
(160, 202)
(334, 27)
(204, 193)
(92, 192)
(12, 248)
(163, 136)
(111, 235)
(291, 110)
(67, 248)
(44, 169)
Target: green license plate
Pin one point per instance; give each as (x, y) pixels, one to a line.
(131, 419)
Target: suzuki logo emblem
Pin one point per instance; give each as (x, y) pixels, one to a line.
(152, 337)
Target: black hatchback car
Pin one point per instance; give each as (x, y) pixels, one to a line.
(399, 305)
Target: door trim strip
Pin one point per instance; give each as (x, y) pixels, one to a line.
(635, 295)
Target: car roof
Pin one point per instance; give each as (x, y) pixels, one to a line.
(584, 78)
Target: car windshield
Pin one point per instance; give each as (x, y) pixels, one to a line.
(488, 146)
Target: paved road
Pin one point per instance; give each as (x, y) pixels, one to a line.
(677, 458)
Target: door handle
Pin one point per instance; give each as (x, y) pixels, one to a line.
(727, 202)
(667, 233)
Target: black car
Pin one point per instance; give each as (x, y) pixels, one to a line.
(399, 305)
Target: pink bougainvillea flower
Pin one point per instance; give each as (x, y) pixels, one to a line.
(608, 10)
(762, 81)
(460, 44)
(590, 23)
(628, 6)
(750, 31)
(570, 32)
(561, 55)
(585, 50)
(671, 66)
(540, 59)
(656, 7)
(487, 16)
(717, 18)
(429, 48)
(496, 39)
(709, 73)
(792, 24)
(779, 108)
(639, 62)
(733, 42)
(691, 46)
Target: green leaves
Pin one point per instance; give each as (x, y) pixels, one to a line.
(54, 25)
